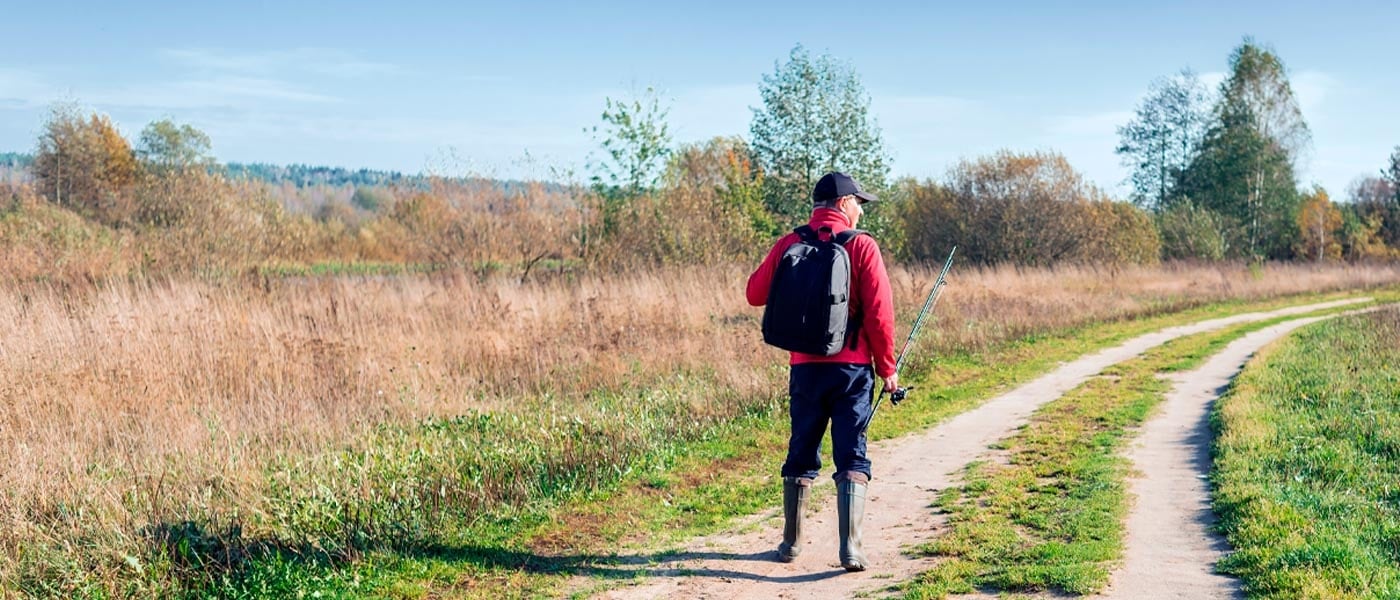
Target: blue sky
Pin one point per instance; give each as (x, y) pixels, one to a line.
(507, 89)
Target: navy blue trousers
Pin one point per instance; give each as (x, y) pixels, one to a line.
(828, 392)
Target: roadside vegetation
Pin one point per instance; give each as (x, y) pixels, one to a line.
(1306, 464)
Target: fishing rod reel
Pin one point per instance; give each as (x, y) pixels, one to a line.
(898, 395)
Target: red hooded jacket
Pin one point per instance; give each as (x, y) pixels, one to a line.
(870, 289)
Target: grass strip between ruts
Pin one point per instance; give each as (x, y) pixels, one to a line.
(683, 489)
(1307, 463)
(1045, 512)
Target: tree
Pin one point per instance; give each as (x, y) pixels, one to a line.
(1319, 223)
(1258, 93)
(1361, 235)
(1256, 221)
(815, 118)
(1258, 86)
(1392, 175)
(163, 145)
(636, 140)
(1164, 136)
(1245, 169)
(1376, 200)
(371, 199)
(83, 162)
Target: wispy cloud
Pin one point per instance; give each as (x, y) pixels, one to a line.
(931, 107)
(212, 80)
(931, 116)
(1091, 125)
(704, 112)
(464, 145)
(23, 89)
(928, 133)
(1312, 88)
(324, 61)
(1212, 80)
(226, 93)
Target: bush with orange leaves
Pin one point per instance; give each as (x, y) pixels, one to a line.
(1024, 209)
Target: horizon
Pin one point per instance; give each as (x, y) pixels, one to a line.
(507, 91)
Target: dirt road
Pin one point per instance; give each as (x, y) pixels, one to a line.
(909, 472)
(1169, 535)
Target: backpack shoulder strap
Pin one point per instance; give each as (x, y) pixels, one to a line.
(853, 329)
(846, 236)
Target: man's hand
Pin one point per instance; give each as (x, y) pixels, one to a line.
(892, 383)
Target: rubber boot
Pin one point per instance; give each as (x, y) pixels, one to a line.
(850, 510)
(795, 491)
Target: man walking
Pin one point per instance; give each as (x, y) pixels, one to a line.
(824, 269)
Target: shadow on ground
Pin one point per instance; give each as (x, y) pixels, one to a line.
(202, 556)
(623, 566)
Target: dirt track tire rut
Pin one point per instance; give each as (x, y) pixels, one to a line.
(1171, 548)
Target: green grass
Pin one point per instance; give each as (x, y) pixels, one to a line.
(1307, 465)
(513, 504)
(1047, 514)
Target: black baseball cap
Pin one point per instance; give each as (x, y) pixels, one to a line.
(835, 185)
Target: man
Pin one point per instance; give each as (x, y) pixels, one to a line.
(835, 388)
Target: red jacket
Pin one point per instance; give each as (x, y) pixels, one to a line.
(870, 289)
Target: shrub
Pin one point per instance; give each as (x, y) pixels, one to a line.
(1191, 232)
(1023, 209)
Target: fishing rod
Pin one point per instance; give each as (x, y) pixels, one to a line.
(898, 395)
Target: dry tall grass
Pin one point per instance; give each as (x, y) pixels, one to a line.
(137, 404)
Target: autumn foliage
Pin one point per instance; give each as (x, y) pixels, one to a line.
(1319, 228)
(83, 162)
(99, 209)
(1024, 209)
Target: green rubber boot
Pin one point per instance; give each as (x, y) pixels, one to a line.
(850, 511)
(794, 503)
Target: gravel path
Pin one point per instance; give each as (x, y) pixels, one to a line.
(909, 472)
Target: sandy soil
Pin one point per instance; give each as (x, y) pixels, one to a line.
(909, 473)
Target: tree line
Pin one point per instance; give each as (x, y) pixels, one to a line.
(1213, 178)
(1212, 173)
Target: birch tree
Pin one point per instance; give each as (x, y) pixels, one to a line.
(1257, 92)
(1245, 169)
(1319, 225)
(1163, 136)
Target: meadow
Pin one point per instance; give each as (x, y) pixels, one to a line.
(171, 435)
(1306, 463)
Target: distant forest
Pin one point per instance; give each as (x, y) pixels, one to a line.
(308, 176)
(297, 175)
(15, 160)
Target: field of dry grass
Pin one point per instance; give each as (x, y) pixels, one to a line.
(135, 404)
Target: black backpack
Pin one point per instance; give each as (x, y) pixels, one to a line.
(808, 308)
